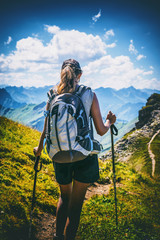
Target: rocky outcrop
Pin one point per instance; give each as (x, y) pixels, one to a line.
(147, 126)
(149, 111)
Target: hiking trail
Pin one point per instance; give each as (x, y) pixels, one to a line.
(152, 156)
(46, 222)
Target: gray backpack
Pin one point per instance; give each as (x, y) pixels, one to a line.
(69, 134)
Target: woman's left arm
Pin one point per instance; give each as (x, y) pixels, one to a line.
(101, 127)
(37, 150)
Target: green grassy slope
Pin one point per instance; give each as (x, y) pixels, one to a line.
(17, 177)
(155, 147)
(138, 197)
(29, 115)
(138, 193)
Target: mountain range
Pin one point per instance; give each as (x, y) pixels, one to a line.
(7, 101)
(27, 105)
(28, 95)
(125, 103)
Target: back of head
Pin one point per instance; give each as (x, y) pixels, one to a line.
(69, 72)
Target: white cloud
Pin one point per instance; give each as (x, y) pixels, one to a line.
(140, 56)
(77, 44)
(52, 29)
(32, 56)
(134, 51)
(112, 45)
(96, 17)
(30, 52)
(116, 72)
(132, 48)
(34, 63)
(109, 33)
(152, 83)
(148, 73)
(8, 41)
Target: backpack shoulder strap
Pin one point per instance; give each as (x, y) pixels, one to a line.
(51, 94)
(81, 90)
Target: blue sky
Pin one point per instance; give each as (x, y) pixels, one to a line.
(116, 42)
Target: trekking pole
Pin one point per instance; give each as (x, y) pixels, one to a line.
(34, 190)
(114, 131)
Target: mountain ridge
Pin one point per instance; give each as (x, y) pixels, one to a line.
(16, 93)
(7, 101)
(148, 124)
(125, 103)
(109, 98)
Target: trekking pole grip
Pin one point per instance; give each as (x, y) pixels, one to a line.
(114, 130)
(36, 164)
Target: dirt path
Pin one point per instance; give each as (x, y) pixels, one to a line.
(46, 226)
(47, 222)
(152, 156)
(97, 189)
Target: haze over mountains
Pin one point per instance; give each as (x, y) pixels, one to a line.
(125, 102)
(26, 105)
(7, 101)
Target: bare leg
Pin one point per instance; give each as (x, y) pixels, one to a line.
(75, 207)
(62, 208)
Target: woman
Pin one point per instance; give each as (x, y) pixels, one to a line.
(74, 178)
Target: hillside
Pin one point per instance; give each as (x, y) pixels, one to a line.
(17, 176)
(30, 115)
(7, 101)
(138, 189)
(123, 128)
(145, 128)
(138, 186)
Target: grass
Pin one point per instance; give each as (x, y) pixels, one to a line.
(135, 219)
(155, 147)
(140, 159)
(138, 196)
(17, 177)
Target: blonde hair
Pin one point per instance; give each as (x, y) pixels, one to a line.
(67, 83)
(68, 74)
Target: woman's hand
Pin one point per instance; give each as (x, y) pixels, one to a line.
(111, 117)
(36, 152)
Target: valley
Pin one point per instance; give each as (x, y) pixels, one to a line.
(138, 186)
(125, 103)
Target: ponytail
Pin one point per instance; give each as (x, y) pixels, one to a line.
(67, 80)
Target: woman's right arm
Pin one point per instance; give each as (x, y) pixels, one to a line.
(100, 126)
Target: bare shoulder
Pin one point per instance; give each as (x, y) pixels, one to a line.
(95, 100)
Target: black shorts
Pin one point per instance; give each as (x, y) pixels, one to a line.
(85, 171)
